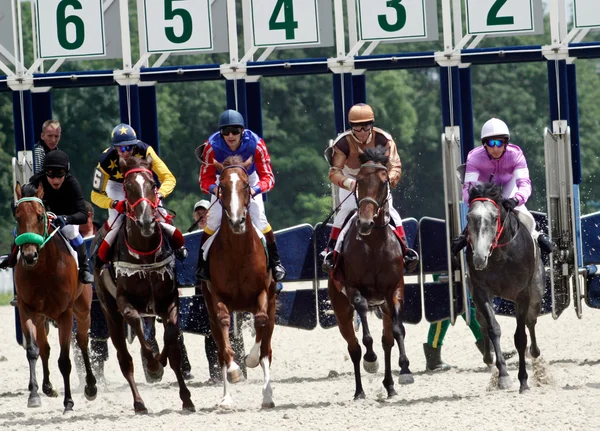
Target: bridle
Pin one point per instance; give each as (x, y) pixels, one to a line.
(219, 187)
(499, 225)
(32, 237)
(130, 213)
(379, 206)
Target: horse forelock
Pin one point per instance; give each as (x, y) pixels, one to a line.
(233, 160)
(136, 163)
(375, 155)
(488, 190)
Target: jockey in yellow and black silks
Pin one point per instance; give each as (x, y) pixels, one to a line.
(108, 192)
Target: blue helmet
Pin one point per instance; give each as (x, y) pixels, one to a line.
(123, 134)
(231, 118)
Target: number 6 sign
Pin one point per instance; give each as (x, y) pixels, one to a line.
(70, 28)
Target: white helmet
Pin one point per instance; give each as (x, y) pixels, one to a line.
(494, 127)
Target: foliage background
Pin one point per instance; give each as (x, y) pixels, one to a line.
(298, 124)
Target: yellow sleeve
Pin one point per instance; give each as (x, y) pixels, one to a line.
(99, 197)
(166, 178)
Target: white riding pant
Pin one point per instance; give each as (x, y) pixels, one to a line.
(527, 219)
(257, 211)
(71, 232)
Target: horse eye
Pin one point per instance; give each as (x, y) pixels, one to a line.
(40, 218)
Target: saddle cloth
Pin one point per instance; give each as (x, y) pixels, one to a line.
(211, 239)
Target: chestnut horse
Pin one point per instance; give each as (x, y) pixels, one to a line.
(47, 287)
(369, 273)
(239, 278)
(145, 282)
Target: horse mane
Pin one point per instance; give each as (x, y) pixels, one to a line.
(233, 160)
(492, 191)
(376, 155)
(136, 162)
(28, 191)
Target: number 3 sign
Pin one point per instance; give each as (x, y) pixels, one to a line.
(70, 28)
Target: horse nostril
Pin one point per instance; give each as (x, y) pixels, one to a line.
(243, 220)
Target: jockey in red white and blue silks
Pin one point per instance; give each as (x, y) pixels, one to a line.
(260, 175)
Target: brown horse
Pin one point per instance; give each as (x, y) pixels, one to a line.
(48, 288)
(239, 278)
(145, 282)
(369, 273)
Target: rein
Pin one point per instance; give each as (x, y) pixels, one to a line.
(499, 226)
(32, 237)
(379, 206)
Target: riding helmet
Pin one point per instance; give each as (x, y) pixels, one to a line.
(231, 118)
(494, 128)
(361, 113)
(57, 159)
(123, 134)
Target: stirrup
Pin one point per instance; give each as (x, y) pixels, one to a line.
(279, 272)
(85, 277)
(411, 260)
(327, 261)
(181, 253)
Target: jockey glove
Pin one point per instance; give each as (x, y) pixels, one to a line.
(510, 204)
(60, 221)
(120, 207)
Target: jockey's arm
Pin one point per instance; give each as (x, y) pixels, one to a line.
(166, 178)
(99, 196)
(80, 214)
(262, 161)
(521, 176)
(394, 164)
(208, 173)
(336, 172)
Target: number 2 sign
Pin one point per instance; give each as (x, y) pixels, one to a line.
(70, 28)
(284, 22)
(500, 16)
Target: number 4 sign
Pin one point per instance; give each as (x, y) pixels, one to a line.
(284, 22)
(70, 28)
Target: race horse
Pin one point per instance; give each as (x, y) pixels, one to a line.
(369, 274)
(143, 282)
(503, 260)
(47, 287)
(239, 279)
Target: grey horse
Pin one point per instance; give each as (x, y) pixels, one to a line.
(503, 260)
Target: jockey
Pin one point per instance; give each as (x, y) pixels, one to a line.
(108, 193)
(508, 165)
(344, 167)
(233, 140)
(63, 196)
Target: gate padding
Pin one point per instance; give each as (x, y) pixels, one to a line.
(412, 312)
(590, 241)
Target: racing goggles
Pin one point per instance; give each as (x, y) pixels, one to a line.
(56, 174)
(494, 143)
(226, 131)
(362, 127)
(124, 148)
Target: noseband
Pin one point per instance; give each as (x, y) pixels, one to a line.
(499, 225)
(378, 205)
(247, 187)
(131, 206)
(31, 237)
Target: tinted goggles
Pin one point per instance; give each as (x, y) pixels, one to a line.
(361, 127)
(226, 131)
(56, 174)
(494, 143)
(124, 148)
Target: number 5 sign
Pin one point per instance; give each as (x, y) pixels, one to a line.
(70, 28)
(284, 22)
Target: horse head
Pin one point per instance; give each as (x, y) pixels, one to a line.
(372, 189)
(484, 221)
(234, 191)
(140, 193)
(32, 222)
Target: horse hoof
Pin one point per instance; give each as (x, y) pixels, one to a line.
(190, 407)
(251, 360)
(34, 402)
(49, 391)
(68, 407)
(504, 382)
(406, 379)
(226, 402)
(155, 376)
(90, 392)
(268, 405)
(234, 376)
(359, 396)
(524, 388)
(371, 367)
(140, 408)
(391, 393)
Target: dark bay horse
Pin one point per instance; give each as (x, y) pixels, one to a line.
(145, 283)
(239, 279)
(503, 260)
(47, 287)
(369, 273)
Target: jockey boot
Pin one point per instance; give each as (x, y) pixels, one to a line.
(433, 356)
(202, 266)
(177, 241)
(545, 243)
(328, 254)
(279, 271)
(459, 242)
(11, 260)
(85, 274)
(411, 257)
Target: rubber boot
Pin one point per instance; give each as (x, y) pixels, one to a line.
(279, 271)
(433, 357)
(85, 274)
(202, 272)
(11, 260)
(545, 243)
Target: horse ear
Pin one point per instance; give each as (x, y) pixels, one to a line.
(40, 190)
(218, 165)
(122, 165)
(149, 161)
(247, 163)
(18, 190)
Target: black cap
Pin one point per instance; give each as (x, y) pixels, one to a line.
(57, 159)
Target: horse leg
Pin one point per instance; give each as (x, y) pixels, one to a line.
(266, 354)
(44, 346)
(82, 308)
(261, 321)
(387, 341)
(487, 352)
(522, 307)
(65, 329)
(344, 313)
(171, 346)
(399, 333)
(483, 304)
(33, 352)
(370, 363)
(531, 321)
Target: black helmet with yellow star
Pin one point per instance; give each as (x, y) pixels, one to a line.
(123, 134)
